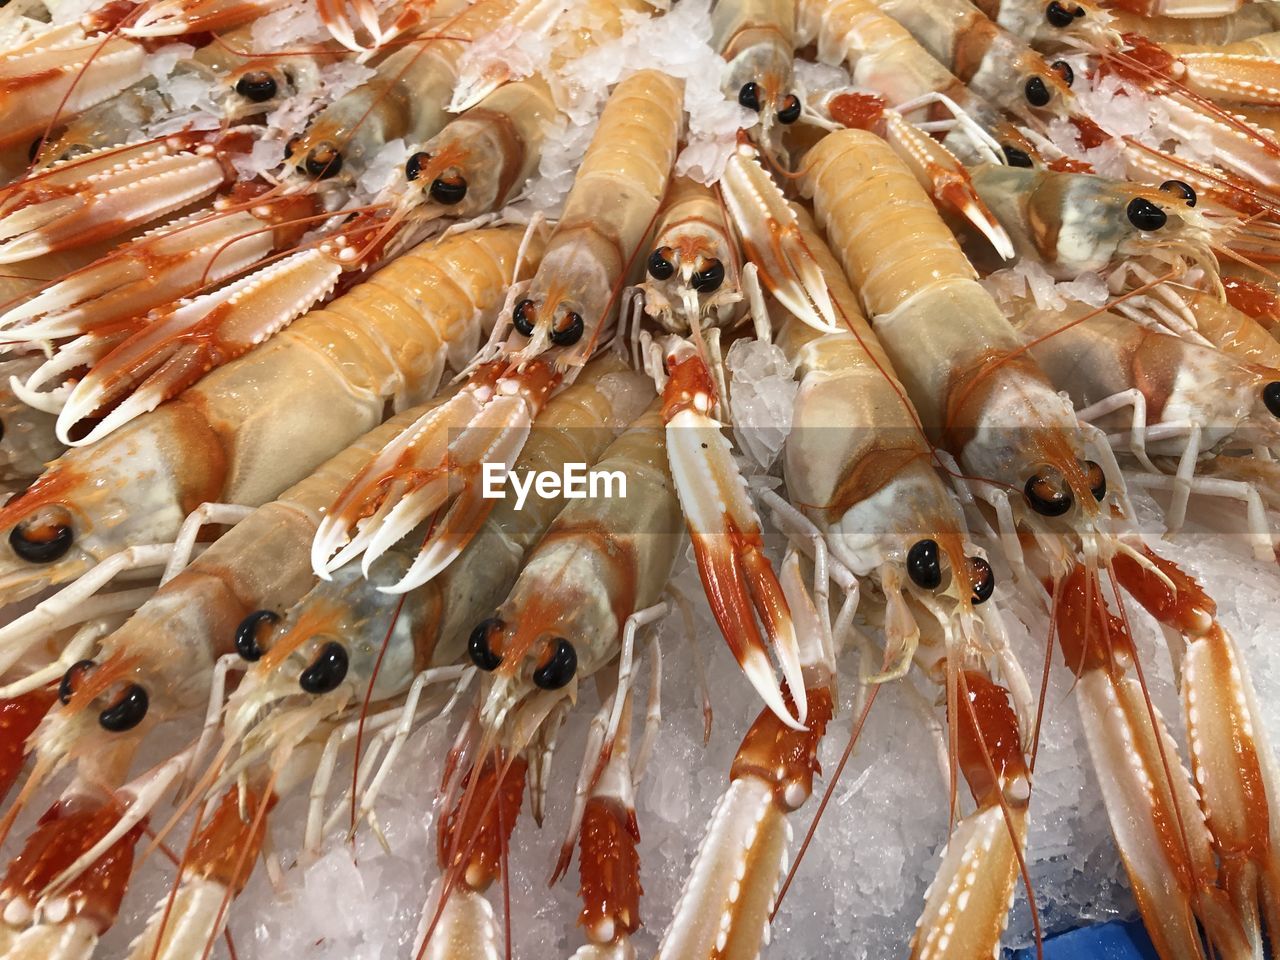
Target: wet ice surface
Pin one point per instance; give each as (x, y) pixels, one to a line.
(860, 887)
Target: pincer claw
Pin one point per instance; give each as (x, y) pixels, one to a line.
(771, 240)
(340, 27)
(967, 904)
(59, 74)
(433, 462)
(399, 470)
(180, 345)
(150, 271)
(726, 532)
(496, 436)
(99, 195)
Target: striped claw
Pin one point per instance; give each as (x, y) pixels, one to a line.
(608, 841)
(771, 240)
(1150, 799)
(724, 908)
(1234, 768)
(101, 194)
(399, 469)
(435, 465)
(933, 165)
(170, 18)
(1241, 148)
(157, 268)
(1230, 757)
(494, 437)
(725, 528)
(60, 74)
(181, 345)
(470, 847)
(967, 904)
(1231, 77)
(333, 13)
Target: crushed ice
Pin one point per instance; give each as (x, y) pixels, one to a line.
(1029, 277)
(762, 395)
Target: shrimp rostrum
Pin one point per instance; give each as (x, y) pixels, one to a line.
(985, 401)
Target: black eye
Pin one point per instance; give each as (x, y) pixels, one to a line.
(324, 161)
(522, 317)
(923, 566)
(1037, 92)
(789, 112)
(1180, 189)
(1097, 480)
(258, 86)
(290, 144)
(327, 670)
(984, 579)
(448, 190)
(1063, 70)
(413, 166)
(247, 634)
(1271, 397)
(71, 679)
(43, 537)
(660, 268)
(1145, 215)
(1047, 493)
(749, 96)
(478, 647)
(1058, 15)
(571, 332)
(709, 278)
(127, 712)
(1015, 157)
(559, 670)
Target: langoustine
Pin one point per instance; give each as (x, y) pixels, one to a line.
(703, 284)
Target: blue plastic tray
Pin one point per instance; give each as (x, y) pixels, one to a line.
(1105, 941)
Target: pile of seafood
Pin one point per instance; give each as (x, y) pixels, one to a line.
(916, 353)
